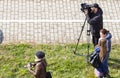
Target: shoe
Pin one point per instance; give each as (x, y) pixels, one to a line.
(100, 77)
(106, 76)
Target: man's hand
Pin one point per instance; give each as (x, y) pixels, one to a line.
(86, 11)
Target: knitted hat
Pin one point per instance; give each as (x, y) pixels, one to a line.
(40, 54)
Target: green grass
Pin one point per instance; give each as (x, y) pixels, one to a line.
(62, 63)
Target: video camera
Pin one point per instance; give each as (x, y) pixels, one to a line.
(30, 65)
(86, 6)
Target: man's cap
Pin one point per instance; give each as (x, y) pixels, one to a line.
(40, 54)
(95, 5)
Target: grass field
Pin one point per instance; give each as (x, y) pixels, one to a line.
(62, 63)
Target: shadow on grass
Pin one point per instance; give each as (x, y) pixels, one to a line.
(114, 63)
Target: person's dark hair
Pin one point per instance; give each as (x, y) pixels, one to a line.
(95, 5)
(104, 31)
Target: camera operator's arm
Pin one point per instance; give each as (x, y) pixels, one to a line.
(37, 70)
(87, 15)
(94, 20)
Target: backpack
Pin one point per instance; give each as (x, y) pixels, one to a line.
(95, 60)
(48, 75)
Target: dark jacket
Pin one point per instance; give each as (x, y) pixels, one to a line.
(96, 22)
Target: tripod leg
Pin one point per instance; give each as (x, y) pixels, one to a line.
(88, 44)
(87, 58)
(74, 51)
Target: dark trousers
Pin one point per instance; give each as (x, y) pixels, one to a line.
(95, 40)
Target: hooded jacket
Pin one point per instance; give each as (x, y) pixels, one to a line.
(108, 38)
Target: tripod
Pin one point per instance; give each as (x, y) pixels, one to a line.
(88, 44)
(88, 41)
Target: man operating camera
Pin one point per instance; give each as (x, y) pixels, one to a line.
(95, 19)
(39, 65)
